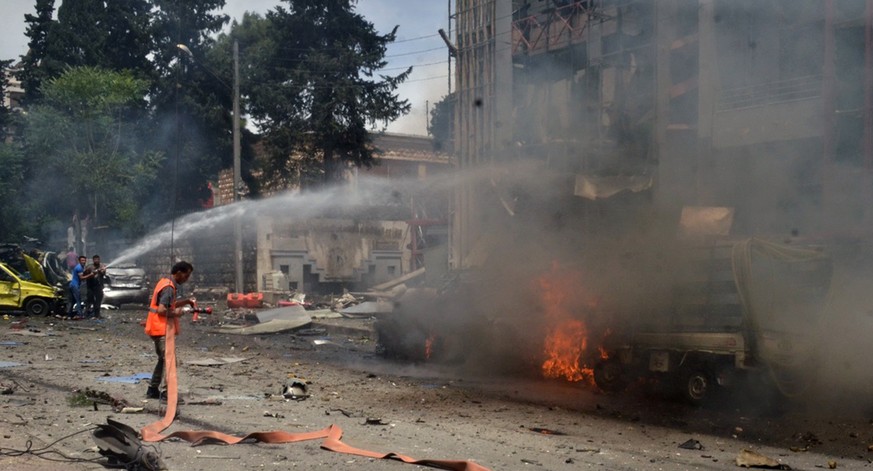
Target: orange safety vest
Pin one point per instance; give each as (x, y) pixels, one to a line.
(156, 325)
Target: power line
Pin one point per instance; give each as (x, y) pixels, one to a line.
(414, 39)
(347, 49)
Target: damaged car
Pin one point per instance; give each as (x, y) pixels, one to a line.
(125, 284)
(30, 293)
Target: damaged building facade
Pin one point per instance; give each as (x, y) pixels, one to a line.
(365, 245)
(764, 107)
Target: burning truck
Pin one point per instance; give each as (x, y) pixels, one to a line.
(745, 310)
(729, 311)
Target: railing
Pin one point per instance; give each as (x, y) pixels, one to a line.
(784, 91)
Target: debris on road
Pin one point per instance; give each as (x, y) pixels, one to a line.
(368, 309)
(132, 379)
(545, 431)
(691, 444)
(752, 459)
(215, 361)
(295, 390)
(120, 444)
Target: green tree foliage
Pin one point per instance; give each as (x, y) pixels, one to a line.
(442, 122)
(190, 106)
(314, 89)
(112, 35)
(86, 150)
(192, 23)
(182, 110)
(38, 26)
(128, 36)
(12, 225)
(79, 36)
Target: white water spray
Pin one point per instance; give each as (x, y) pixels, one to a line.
(346, 201)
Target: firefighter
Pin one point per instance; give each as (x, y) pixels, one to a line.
(164, 306)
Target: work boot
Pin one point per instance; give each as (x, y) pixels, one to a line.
(153, 393)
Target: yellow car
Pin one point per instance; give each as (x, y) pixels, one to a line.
(30, 293)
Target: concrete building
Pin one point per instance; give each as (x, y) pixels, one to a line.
(762, 106)
(356, 248)
(14, 93)
(366, 245)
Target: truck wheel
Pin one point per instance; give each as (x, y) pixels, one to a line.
(36, 307)
(608, 376)
(696, 386)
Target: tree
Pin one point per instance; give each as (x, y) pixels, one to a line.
(441, 124)
(33, 71)
(12, 225)
(190, 117)
(185, 108)
(78, 37)
(87, 155)
(128, 40)
(312, 88)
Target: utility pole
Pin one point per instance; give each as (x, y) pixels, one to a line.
(237, 182)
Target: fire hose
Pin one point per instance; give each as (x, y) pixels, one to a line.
(331, 435)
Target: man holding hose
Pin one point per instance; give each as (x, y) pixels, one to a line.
(163, 308)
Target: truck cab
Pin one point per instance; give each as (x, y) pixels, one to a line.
(33, 296)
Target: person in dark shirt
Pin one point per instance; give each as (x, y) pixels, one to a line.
(95, 278)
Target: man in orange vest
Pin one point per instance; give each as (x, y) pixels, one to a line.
(164, 306)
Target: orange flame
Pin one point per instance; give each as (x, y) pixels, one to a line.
(566, 341)
(565, 347)
(428, 347)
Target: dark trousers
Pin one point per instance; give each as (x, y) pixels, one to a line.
(158, 374)
(94, 300)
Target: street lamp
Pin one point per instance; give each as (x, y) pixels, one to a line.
(237, 181)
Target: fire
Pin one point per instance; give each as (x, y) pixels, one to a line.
(565, 347)
(567, 337)
(428, 347)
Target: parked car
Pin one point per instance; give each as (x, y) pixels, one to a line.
(30, 293)
(126, 284)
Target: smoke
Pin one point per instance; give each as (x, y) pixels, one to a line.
(738, 125)
(733, 120)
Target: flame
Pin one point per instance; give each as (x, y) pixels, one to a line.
(566, 342)
(565, 347)
(428, 347)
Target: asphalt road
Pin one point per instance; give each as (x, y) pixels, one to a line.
(423, 411)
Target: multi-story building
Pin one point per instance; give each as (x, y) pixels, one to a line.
(14, 93)
(761, 106)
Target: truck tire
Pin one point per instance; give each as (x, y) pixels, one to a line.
(609, 376)
(696, 386)
(36, 307)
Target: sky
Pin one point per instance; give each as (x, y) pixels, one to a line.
(417, 44)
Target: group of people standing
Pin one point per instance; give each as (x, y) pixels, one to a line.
(93, 277)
